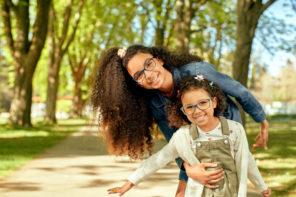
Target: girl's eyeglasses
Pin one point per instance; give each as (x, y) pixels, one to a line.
(202, 105)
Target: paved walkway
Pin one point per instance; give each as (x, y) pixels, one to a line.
(80, 166)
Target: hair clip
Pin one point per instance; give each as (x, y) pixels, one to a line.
(211, 84)
(121, 52)
(199, 77)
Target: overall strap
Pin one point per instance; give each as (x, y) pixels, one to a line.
(193, 132)
(225, 127)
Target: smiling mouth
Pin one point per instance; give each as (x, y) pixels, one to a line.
(199, 118)
(154, 79)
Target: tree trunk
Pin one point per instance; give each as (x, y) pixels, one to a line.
(77, 102)
(186, 10)
(182, 26)
(78, 66)
(162, 17)
(52, 87)
(248, 14)
(20, 108)
(57, 52)
(25, 53)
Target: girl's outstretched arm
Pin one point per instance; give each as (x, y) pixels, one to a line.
(121, 190)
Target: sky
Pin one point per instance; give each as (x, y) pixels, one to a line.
(279, 59)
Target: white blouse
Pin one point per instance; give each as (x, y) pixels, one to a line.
(179, 146)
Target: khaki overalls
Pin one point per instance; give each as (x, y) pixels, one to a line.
(217, 151)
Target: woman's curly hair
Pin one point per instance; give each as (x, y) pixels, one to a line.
(123, 105)
(175, 116)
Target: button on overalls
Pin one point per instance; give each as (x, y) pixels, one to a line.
(217, 151)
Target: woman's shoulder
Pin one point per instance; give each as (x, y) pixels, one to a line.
(192, 68)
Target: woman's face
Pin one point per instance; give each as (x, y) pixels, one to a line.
(153, 76)
(205, 119)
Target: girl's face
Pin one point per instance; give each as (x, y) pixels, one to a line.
(154, 74)
(205, 119)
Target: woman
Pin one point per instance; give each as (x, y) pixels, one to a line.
(132, 87)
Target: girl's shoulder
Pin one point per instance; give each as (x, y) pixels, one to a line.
(235, 127)
(182, 131)
(233, 123)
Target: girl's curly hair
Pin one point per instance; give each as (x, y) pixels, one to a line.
(123, 105)
(176, 117)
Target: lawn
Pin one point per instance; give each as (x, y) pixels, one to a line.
(277, 164)
(19, 145)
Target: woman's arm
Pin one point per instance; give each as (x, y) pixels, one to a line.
(262, 137)
(204, 177)
(245, 98)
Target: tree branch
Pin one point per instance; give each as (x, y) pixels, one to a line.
(11, 5)
(40, 27)
(77, 18)
(266, 5)
(66, 22)
(22, 42)
(7, 25)
(52, 28)
(199, 4)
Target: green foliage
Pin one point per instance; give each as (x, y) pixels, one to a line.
(214, 29)
(64, 105)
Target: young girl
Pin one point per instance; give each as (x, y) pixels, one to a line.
(209, 138)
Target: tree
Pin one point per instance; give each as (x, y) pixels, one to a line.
(162, 19)
(212, 30)
(186, 11)
(5, 93)
(25, 52)
(59, 45)
(248, 14)
(287, 80)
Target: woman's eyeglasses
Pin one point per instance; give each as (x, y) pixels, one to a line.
(149, 65)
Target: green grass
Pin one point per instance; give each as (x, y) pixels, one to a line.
(20, 145)
(277, 164)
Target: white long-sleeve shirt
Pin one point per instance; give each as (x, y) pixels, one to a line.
(179, 146)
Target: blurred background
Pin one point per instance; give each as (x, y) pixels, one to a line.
(48, 49)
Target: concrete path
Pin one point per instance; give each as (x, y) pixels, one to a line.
(80, 167)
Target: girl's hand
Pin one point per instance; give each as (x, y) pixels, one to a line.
(121, 190)
(266, 193)
(204, 177)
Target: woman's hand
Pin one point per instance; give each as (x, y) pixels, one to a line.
(181, 189)
(204, 177)
(262, 137)
(266, 193)
(121, 190)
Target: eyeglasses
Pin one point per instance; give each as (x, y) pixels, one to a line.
(149, 65)
(202, 105)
